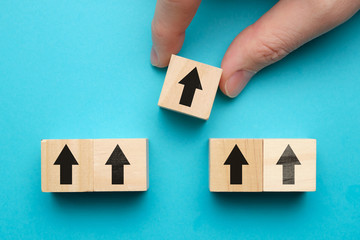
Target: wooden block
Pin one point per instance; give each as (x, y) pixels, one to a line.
(236, 165)
(121, 165)
(88, 165)
(289, 164)
(190, 87)
(67, 165)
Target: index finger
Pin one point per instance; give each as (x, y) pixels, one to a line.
(170, 21)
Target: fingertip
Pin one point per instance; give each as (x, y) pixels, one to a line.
(168, 28)
(233, 85)
(154, 57)
(157, 61)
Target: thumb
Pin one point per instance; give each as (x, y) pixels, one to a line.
(285, 27)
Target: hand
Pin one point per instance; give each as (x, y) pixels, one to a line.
(285, 27)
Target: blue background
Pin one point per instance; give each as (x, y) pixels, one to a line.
(81, 69)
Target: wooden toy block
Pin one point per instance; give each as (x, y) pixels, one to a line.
(88, 165)
(67, 165)
(121, 165)
(236, 165)
(289, 165)
(190, 87)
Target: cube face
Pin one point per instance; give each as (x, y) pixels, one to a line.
(67, 166)
(236, 165)
(289, 164)
(182, 91)
(121, 165)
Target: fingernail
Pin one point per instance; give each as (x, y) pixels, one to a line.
(236, 83)
(154, 57)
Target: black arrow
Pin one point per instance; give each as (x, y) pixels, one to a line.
(66, 159)
(191, 82)
(117, 159)
(288, 159)
(236, 159)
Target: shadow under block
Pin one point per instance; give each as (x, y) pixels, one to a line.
(236, 165)
(289, 165)
(67, 165)
(88, 165)
(132, 173)
(190, 87)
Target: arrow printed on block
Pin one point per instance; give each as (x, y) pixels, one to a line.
(236, 160)
(191, 82)
(117, 160)
(288, 160)
(66, 159)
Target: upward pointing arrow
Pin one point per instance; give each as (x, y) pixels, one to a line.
(288, 159)
(117, 159)
(236, 159)
(66, 159)
(191, 82)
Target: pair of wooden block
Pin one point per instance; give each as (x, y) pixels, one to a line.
(88, 165)
(256, 165)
